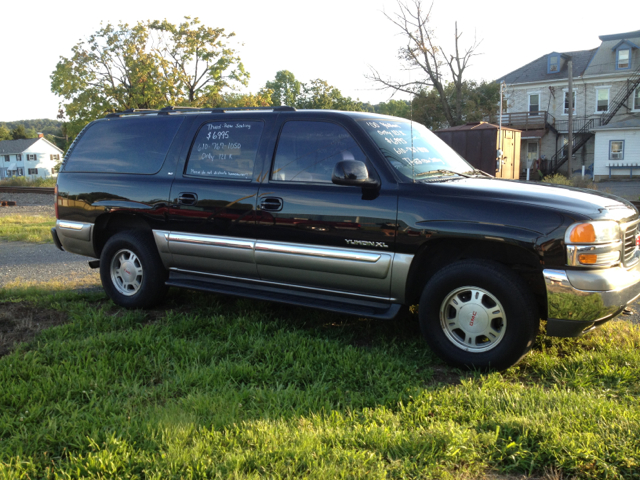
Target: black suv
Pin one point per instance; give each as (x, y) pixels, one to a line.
(349, 212)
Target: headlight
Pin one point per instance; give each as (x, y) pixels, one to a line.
(592, 232)
(593, 244)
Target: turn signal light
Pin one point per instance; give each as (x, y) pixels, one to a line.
(583, 233)
(588, 259)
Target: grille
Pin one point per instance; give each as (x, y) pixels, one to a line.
(630, 236)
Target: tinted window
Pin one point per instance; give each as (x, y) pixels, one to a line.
(124, 145)
(413, 150)
(225, 150)
(308, 151)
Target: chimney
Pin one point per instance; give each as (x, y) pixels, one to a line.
(40, 135)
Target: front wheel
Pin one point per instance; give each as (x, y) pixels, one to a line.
(131, 271)
(478, 314)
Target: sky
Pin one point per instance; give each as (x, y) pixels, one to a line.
(335, 40)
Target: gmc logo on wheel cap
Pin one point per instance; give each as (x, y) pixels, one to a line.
(473, 317)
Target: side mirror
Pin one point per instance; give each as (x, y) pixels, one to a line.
(354, 173)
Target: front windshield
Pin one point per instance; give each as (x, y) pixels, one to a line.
(413, 150)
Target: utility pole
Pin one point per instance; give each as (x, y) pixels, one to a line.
(571, 104)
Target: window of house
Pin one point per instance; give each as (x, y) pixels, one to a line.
(20, 172)
(636, 99)
(308, 151)
(54, 157)
(566, 103)
(623, 58)
(602, 100)
(553, 65)
(534, 103)
(53, 171)
(19, 157)
(33, 171)
(32, 156)
(6, 158)
(616, 150)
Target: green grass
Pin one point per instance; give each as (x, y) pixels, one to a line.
(27, 228)
(28, 182)
(209, 386)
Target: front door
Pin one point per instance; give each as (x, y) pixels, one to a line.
(314, 233)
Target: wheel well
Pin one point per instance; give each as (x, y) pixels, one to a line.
(437, 254)
(109, 224)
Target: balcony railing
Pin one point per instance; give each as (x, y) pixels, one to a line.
(578, 124)
(526, 120)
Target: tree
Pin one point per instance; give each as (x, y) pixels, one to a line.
(316, 94)
(286, 89)
(477, 101)
(438, 68)
(5, 133)
(396, 108)
(148, 65)
(19, 133)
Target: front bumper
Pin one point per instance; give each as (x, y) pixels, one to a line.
(579, 300)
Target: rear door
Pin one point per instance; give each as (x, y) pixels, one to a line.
(314, 233)
(213, 197)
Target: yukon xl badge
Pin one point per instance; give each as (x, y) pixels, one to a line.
(366, 243)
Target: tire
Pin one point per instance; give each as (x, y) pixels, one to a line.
(131, 271)
(478, 314)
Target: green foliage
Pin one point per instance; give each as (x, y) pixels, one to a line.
(26, 228)
(5, 133)
(28, 182)
(147, 65)
(477, 101)
(286, 89)
(20, 132)
(574, 181)
(316, 94)
(212, 386)
(395, 108)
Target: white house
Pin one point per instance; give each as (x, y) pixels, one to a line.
(606, 90)
(31, 158)
(617, 149)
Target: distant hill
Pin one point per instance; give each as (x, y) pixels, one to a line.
(44, 125)
(52, 129)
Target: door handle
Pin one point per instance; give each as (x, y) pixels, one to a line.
(187, 198)
(273, 204)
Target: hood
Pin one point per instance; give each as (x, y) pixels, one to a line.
(590, 203)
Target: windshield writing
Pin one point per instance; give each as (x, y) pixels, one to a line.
(413, 150)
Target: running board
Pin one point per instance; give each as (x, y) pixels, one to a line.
(274, 293)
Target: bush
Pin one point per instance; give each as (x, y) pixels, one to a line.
(28, 182)
(580, 182)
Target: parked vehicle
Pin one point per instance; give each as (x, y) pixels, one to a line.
(348, 212)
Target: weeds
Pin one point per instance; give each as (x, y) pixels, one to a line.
(28, 182)
(213, 386)
(27, 228)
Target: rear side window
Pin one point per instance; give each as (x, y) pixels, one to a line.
(124, 145)
(308, 151)
(225, 150)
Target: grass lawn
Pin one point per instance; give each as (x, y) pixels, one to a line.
(210, 386)
(27, 228)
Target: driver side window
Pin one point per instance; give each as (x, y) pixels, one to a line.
(308, 151)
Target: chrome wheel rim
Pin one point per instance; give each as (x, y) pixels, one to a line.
(126, 272)
(473, 319)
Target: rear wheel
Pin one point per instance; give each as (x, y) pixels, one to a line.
(131, 271)
(478, 314)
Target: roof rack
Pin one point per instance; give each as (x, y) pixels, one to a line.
(173, 109)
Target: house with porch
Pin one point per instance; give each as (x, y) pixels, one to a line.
(605, 101)
(30, 157)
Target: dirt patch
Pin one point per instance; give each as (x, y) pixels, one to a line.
(21, 322)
